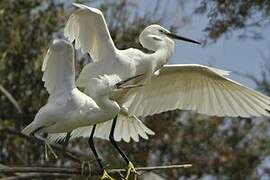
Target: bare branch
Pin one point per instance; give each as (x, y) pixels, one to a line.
(11, 99)
(71, 171)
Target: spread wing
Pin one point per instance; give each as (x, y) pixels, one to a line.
(87, 26)
(199, 88)
(58, 67)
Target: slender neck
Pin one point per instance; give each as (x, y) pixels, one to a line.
(162, 55)
(109, 106)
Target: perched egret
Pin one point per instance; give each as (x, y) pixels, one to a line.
(87, 27)
(194, 87)
(68, 108)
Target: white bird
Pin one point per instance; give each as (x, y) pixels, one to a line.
(194, 87)
(87, 27)
(68, 108)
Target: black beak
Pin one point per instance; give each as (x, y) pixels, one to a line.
(174, 36)
(121, 84)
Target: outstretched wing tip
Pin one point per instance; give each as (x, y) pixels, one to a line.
(84, 7)
(78, 5)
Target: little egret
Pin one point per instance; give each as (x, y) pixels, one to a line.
(87, 27)
(199, 88)
(67, 107)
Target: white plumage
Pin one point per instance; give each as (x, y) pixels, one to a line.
(68, 108)
(127, 128)
(199, 88)
(99, 44)
(190, 87)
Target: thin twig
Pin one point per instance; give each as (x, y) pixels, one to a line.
(164, 167)
(11, 99)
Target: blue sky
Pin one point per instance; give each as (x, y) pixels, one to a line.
(232, 54)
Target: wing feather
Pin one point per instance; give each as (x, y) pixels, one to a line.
(209, 106)
(224, 101)
(87, 27)
(125, 133)
(199, 88)
(217, 106)
(58, 67)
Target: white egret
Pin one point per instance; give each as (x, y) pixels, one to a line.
(87, 27)
(67, 107)
(200, 88)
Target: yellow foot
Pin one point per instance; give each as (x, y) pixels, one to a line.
(130, 169)
(106, 175)
(48, 146)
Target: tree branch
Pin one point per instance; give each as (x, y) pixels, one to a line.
(71, 171)
(26, 172)
(11, 99)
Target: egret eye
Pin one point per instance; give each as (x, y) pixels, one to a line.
(156, 38)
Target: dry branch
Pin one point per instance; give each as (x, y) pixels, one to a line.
(71, 171)
(27, 172)
(11, 99)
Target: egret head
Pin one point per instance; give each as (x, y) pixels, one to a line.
(63, 48)
(155, 36)
(107, 84)
(61, 45)
(63, 52)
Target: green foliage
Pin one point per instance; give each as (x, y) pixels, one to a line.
(230, 15)
(26, 28)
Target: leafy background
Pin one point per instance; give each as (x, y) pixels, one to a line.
(219, 148)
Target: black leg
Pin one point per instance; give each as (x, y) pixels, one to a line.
(45, 143)
(45, 150)
(66, 141)
(65, 144)
(35, 131)
(114, 143)
(92, 146)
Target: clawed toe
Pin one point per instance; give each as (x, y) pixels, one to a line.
(130, 169)
(106, 176)
(48, 146)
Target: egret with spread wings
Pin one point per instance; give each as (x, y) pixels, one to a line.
(200, 88)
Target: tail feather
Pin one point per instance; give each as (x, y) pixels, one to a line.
(56, 137)
(28, 129)
(126, 128)
(142, 129)
(133, 131)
